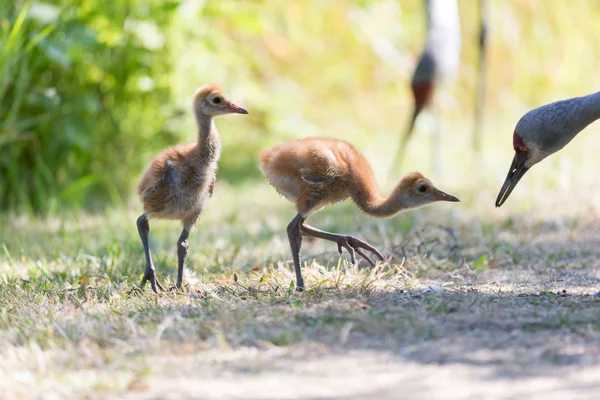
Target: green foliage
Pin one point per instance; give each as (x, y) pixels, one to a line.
(342, 68)
(90, 89)
(81, 92)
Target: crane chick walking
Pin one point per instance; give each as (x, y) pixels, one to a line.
(179, 181)
(315, 172)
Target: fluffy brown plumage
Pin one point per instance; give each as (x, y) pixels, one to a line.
(315, 172)
(179, 181)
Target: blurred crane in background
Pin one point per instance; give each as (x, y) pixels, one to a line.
(481, 78)
(438, 63)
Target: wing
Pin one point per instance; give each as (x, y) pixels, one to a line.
(319, 189)
(161, 186)
(314, 178)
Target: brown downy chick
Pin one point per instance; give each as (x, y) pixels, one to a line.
(315, 172)
(179, 181)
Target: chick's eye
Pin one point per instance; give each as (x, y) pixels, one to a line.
(216, 100)
(422, 189)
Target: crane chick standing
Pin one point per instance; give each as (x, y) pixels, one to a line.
(179, 181)
(315, 172)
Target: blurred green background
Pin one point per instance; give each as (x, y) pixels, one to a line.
(90, 90)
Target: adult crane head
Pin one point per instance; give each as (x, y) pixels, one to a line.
(521, 163)
(544, 131)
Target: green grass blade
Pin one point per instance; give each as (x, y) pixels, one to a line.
(16, 30)
(39, 37)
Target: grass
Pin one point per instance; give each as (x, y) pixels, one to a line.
(472, 301)
(483, 302)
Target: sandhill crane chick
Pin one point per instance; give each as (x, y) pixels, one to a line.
(179, 181)
(315, 172)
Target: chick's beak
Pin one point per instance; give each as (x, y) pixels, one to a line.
(234, 108)
(443, 196)
(515, 173)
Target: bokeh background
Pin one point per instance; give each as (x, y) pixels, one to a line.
(90, 90)
(471, 299)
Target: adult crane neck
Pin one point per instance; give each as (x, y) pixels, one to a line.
(590, 107)
(549, 128)
(584, 111)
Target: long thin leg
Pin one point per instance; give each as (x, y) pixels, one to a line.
(436, 141)
(350, 243)
(295, 237)
(182, 251)
(422, 95)
(481, 79)
(400, 153)
(150, 272)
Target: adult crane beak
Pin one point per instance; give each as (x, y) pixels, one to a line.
(515, 173)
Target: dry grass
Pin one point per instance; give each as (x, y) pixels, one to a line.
(473, 302)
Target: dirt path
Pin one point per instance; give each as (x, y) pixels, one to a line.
(276, 374)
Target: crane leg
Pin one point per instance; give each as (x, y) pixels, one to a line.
(295, 238)
(150, 272)
(399, 157)
(436, 140)
(422, 95)
(182, 251)
(350, 243)
(481, 80)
